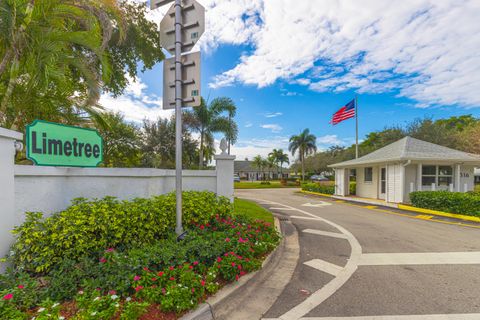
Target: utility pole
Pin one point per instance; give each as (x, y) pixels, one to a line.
(178, 115)
(179, 35)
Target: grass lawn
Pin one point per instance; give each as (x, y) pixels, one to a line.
(251, 209)
(258, 185)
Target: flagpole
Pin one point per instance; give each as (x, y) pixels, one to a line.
(356, 126)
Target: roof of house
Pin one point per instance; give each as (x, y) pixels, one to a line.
(413, 149)
(246, 166)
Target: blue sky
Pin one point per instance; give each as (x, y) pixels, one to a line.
(290, 66)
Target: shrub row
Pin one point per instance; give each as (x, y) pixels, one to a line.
(453, 202)
(167, 274)
(317, 187)
(89, 226)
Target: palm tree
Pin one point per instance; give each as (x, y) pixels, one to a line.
(208, 120)
(282, 158)
(44, 44)
(230, 108)
(305, 144)
(259, 163)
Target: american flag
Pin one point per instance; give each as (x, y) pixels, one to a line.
(345, 112)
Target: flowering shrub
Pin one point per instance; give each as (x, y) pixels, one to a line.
(122, 282)
(82, 230)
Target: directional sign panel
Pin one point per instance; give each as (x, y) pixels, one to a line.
(154, 4)
(190, 79)
(193, 26)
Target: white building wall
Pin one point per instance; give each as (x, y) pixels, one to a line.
(410, 181)
(367, 189)
(467, 177)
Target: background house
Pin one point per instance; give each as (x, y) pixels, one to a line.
(407, 165)
(246, 171)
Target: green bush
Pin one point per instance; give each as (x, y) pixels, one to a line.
(353, 188)
(88, 227)
(453, 202)
(317, 187)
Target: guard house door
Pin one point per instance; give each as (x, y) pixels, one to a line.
(382, 185)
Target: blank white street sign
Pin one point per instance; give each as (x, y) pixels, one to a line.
(190, 78)
(192, 30)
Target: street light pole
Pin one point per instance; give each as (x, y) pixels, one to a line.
(178, 115)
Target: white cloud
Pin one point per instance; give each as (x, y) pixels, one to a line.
(276, 128)
(249, 148)
(136, 105)
(426, 50)
(248, 124)
(273, 114)
(330, 139)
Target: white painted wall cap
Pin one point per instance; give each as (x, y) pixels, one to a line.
(10, 134)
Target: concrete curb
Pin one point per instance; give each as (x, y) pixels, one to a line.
(403, 207)
(205, 310)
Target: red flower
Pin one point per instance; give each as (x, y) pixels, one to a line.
(239, 267)
(103, 260)
(171, 268)
(146, 269)
(219, 259)
(20, 286)
(138, 288)
(112, 292)
(233, 264)
(242, 273)
(202, 283)
(160, 273)
(136, 278)
(110, 250)
(202, 227)
(7, 296)
(172, 278)
(190, 267)
(193, 290)
(195, 263)
(236, 277)
(227, 239)
(153, 279)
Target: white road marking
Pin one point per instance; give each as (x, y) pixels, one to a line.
(383, 259)
(324, 266)
(457, 316)
(330, 288)
(302, 217)
(279, 208)
(325, 233)
(316, 205)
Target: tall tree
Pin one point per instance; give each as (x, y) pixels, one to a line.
(259, 163)
(208, 120)
(58, 55)
(305, 143)
(121, 142)
(158, 145)
(279, 158)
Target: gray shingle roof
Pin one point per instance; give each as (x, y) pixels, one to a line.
(410, 148)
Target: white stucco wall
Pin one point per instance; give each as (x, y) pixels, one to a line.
(367, 189)
(410, 177)
(467, 178)
(50, 189)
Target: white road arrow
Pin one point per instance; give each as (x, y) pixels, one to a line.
(316, 205)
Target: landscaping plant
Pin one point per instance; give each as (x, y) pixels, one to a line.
(134, 276)
(453, 202)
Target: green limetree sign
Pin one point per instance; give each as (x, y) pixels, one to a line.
(54, 144)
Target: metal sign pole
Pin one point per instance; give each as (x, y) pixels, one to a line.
(178, 114)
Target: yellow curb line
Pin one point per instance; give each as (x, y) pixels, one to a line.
(317, 193)
(413, 209)
(439, 213)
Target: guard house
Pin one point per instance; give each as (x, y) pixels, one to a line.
(407, 165)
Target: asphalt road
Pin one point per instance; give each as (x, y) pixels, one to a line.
(359, 263)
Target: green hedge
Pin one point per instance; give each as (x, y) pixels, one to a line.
(327, 189)
(87, 227)
(321, 188)
(453, 202)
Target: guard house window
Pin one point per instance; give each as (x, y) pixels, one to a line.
(368, 174)
(441, 176)
(445, 175)
(429, 174)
